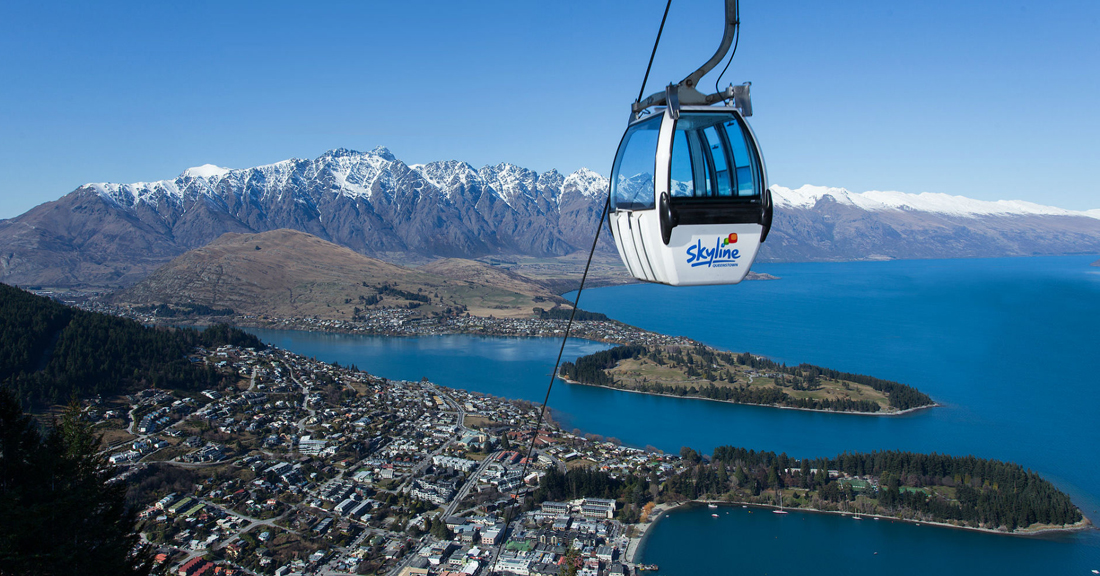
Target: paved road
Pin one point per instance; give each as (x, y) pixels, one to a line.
(470, 483)
(461, 415)
(252, 523)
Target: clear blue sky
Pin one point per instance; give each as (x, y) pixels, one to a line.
(985, 99)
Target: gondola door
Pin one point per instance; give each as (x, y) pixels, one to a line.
(633, 197)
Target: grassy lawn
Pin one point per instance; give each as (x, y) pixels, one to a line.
(633, 372)
(112, 436)
(478, 422)
(580, 463)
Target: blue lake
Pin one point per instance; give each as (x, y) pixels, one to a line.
(1008, 346)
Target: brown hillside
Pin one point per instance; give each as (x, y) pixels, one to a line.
(286, 273)
(481, 273)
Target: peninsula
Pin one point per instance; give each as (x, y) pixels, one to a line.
(960, 492)
(699, 371)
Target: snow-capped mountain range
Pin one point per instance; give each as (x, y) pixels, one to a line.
(116, 234)
(808, 196)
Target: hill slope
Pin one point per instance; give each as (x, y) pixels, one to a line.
(286, 273)
(49, 351)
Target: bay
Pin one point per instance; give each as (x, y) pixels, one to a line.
(1008, 346)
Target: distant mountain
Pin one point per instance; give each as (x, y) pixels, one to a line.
(114, 235)
(819, 223)
(286, 273)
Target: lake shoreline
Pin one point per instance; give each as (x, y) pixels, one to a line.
(849, 412)
(637, 543)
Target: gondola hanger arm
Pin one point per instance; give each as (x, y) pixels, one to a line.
(685, 91)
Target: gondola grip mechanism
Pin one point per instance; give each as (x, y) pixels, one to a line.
(672, 97)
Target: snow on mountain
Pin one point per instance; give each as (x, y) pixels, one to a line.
(587, 183)
(447, 175)
(355, 174)
(511, 183)
(808, 196)
(360, 174)
(205, 171)
(109, 234)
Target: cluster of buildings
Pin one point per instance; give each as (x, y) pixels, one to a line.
(342, 469)
(403, 321)
(581, 531)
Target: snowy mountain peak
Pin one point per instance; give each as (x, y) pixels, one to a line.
(586, 182)
(447, 174)
(510, 182)
(384, 153)
(205, 171)
(808, 196)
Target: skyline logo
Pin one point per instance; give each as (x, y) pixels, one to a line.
(721, 256)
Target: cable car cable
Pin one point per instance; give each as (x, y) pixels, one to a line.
(654, 53)
(576, 301)
(553, 376)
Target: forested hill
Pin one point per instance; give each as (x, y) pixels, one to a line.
(703, 372)
(961, 491)
(964, 491)
(50, 352)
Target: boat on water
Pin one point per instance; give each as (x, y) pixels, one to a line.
(712, 506)
(713, 515)
(780, 510)
(857, 517)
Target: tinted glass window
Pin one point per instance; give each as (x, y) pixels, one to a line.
(712, 158)
(682, 177)
(746, 174)
(632, 175)
(718, 153)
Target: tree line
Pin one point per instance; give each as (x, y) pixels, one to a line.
(166, 311)
(50, 352)
(987, 493)
(559, 313)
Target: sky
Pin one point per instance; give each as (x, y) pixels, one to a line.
(991, 100)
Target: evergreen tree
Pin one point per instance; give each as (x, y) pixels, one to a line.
(58, 514)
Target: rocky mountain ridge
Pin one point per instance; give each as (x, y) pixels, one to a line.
(113, 235)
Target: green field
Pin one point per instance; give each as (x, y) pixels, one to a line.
(703, 372)
(634, 372)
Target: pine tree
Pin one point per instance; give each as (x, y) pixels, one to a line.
(58, 514)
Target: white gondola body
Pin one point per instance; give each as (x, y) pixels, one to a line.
(696, 253)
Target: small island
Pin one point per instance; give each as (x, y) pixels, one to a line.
(699, 371)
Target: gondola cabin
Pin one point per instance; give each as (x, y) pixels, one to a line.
(690, 203)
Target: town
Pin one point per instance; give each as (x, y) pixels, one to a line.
(306, 467)
(400, 321)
